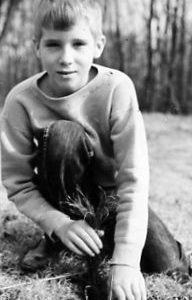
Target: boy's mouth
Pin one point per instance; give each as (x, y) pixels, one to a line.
(66, 73)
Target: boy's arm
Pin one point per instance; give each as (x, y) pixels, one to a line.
(130, 150)
(18, 153)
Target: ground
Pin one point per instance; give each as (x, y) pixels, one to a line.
(170, 156)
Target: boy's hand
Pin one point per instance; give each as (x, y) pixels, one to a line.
(126, 283)
(80, 238)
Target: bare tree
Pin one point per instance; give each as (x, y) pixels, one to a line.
(189, 79)
(149, 80)
(165, 48)
(172, 101)
(7, 8)
(181, 70)
(119, 9)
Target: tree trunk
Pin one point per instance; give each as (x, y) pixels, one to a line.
(172, 101)
(119, 35)
(164, 51)
(181, 72)
(149, 80)
(7, 8)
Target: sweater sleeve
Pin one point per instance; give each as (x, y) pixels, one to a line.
(18, 153)
(131, 157)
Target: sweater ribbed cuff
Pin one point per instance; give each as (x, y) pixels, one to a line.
(127, 254)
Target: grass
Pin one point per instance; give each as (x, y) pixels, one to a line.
(170, 143)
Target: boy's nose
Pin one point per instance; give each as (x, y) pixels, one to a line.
(66, 56)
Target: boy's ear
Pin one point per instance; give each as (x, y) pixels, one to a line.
(36, 47)
(100, 45)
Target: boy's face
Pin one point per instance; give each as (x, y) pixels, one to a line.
(67, 57)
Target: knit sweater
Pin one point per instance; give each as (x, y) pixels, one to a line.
(107, 108)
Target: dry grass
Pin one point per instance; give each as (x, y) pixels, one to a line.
(170, 144)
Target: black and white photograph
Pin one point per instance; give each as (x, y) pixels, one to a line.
(95, 150)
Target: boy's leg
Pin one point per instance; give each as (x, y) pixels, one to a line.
(161, 253)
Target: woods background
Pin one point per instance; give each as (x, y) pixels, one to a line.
(150, 40)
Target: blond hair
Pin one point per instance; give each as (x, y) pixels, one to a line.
(63, 14)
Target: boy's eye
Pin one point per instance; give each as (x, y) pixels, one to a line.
(79, 43)
(52, 45)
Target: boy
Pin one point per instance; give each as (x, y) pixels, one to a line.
(68, 37)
